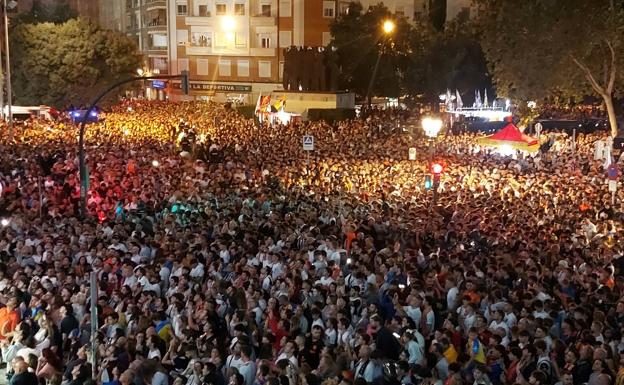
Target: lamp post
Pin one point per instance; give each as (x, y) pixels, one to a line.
(432, 127)
(387, 27)
(8, 67)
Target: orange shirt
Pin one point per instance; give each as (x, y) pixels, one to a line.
(8, 321)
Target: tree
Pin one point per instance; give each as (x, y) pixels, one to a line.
(449, 59)
(358, 39)
(58, 64)
(555, 48)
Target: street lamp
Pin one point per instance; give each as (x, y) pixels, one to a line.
(387, 27)
(432, 127)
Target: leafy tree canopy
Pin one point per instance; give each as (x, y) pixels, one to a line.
(561, 48)
(359, 38)
(419, 59)
(59, 64)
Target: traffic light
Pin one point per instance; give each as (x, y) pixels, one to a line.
(185, 82)
(428, 183)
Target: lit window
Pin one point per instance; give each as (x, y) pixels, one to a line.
(239, 9)
(264, 69)
(203, 11)
(221, 9)
(266, 10)
(225, 68)
(329, 8)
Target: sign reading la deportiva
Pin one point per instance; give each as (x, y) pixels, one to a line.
(217, 87)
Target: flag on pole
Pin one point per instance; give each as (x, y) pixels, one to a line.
(258, 103)
(265, 103)
(279, 104)
(460, 104)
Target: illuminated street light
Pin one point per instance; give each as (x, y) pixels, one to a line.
(388, 26)
(155, 163)
(140, 71)
(228, 23)
(4, 222)
(431, 126)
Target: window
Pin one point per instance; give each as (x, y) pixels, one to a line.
(243, 68)
(159, 63)
(285, 39)
(326, 38)
(285, 8)
(159, 41)
(225, 67)
(182, 36)
(264, 69)
(203, 10)
(329, 9)
(281, 70)
(182, 9)
(202, 67)
(241, 39)
(344, 8)
(183, 65)
(239, 9)
(201, 39)
(265, 42)
(266, 10)
(399, 10)
(221, 9)
(221, 39)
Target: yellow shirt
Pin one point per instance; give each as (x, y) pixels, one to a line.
(451, 354)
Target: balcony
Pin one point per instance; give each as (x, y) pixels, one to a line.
(155, 3)
(268, 52)
(154, 48)
(199, 20)
(262, 21)
(198, 51)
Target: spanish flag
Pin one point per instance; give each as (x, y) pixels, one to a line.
(279, 104)
(265, 102)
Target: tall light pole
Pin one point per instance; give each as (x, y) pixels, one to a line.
(8, 68)
(387, 28)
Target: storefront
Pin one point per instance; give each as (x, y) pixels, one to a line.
(237, 93)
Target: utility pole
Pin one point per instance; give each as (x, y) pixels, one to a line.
(8, 69)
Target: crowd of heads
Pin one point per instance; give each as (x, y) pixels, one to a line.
(260, 263)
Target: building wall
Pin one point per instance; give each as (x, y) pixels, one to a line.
(86, 8)
(112, 15)
(455, 7)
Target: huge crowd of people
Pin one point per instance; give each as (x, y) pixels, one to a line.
(226, 254)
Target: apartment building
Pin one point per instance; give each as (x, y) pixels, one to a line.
(233, 49)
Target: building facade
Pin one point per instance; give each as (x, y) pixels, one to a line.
(233, 49)
(461, 8)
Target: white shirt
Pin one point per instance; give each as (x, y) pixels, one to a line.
(414, 313)
(451, 298)
(365, 370)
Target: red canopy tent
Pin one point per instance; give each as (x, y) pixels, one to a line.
(511, 136)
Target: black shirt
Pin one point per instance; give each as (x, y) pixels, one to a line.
(26, 378)
(68, 324)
